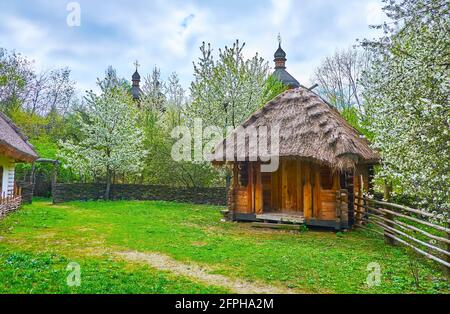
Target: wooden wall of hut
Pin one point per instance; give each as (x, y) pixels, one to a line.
(296, 187)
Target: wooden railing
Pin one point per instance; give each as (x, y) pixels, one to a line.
(4, 198)
(421, 231)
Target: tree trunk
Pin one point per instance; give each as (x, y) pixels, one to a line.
(108, 185)
(387, 197)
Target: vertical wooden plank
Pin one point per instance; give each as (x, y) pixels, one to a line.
(250, 189)
(299, 186)
(306, 189)
(336, 183)
(317, 204)
(280, 185)
(275, 203)
(292, 185)
(284, 179)
(258, 190)
(356, 189)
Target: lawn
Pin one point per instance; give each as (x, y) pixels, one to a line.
(40, 240)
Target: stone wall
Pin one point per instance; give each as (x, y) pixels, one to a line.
(94, 191)
(9, 205)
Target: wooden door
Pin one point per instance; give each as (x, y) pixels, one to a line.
(266, 178)
(289, 186)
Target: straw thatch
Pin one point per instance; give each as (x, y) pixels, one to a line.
(13, 143)
(310, 129)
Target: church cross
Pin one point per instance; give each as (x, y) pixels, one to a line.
(136, 64)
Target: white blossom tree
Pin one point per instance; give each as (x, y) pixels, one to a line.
(407, 92)
(153, 97)
(112, 140)
(227, 91)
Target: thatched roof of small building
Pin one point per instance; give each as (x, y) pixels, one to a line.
(13, 143)
(310, 129)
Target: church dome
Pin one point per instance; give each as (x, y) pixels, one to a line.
(136, 76)
(280, 54)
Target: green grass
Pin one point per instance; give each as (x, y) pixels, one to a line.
(38, 241)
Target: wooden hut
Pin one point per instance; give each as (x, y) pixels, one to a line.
(14, 148)
(319, 154)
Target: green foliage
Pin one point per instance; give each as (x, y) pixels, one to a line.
(303, 228)
(88, 232)
(159, 166)
(37, 273)
(406, 91)
(358, 121)
(162, 109)
(34, 126)
(272, 88)
(227, 90)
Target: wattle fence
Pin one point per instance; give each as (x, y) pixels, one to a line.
(421, 231)
(65, 192)
(10, 203)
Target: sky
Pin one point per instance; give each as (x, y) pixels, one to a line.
(168, 33)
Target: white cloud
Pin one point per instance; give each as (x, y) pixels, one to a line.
(374, 13)
(168, 34)
(280, 11)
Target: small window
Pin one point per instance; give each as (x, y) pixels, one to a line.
(326, 179)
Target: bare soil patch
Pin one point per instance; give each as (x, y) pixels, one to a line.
(166, 263)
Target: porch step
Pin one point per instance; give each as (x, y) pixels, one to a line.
(272, 225)
(281, 217)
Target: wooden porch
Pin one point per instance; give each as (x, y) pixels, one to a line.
(293, 218)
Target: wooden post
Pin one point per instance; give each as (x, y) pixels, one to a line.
(317, 203)
(284, 185)
(387, 198)
(351, 199)
(361, 202)
(338, 209)
(370, 177)
(299, 186)
(250, 189)
(258, 190)
(54, 178)
(307, 206)
(33, 169)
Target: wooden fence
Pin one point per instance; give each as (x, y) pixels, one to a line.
(17, 192)
(421, 231)
(10, 203)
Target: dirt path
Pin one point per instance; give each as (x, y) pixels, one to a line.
(166, 263)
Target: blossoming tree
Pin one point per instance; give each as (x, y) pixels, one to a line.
(112, 140)
(407, 90)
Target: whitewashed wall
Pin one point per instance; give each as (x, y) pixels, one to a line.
(8, 165)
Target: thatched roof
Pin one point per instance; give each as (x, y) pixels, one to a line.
(13, 143)
(310, 129)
